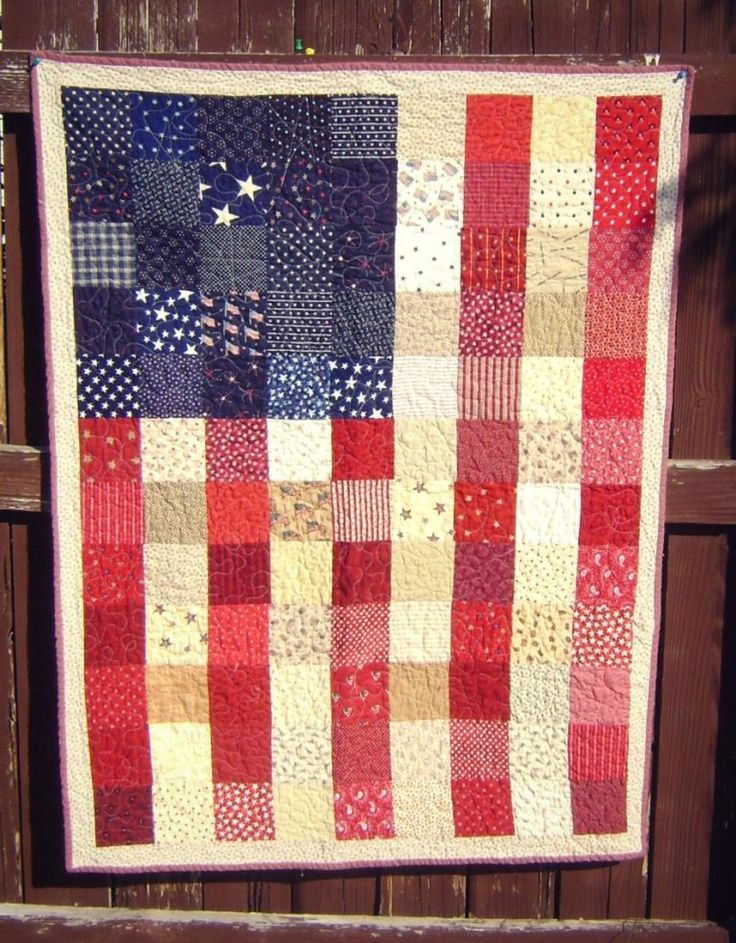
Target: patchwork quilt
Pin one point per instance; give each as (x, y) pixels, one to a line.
(359, 383)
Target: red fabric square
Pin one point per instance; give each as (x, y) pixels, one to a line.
(120, 758)
(625, 194)
(361, 573)
(364, 810)
(482, 807)
(485, 512)
(112, 512)
(484, 572)
(238, 635)
(491, 323)
(609, 514)
(237, 512)
(362, 448)
(602, 636)
(113, 575)
(361, 752)
(607, 575)
(359, 634)
(616, 325)
(598, 808)
(487, 450)
(481, 632)
(239, 574)
(114, 634)
(612, 451)
(236, 449)
(240, 722)
(619, 257)
(116, 696)
(613, 389)
(360, 694)
(124, 816)
(479, 749)
(244, 812)
(110, 449)
(598, 752)
(479, 691)
(496, 194)
(627, 128)
(498, 128)
(493, 259)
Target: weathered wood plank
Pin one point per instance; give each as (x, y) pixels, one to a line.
(122, 25)
(218, 26)
(417, 27)
(602, 27)
(267, 26)
(513, 894)
(644, 34)
(466, 27)
(50, 24)
(28, 925)
(423, 894)
(511, 27)
(553, 26)
(672, 26)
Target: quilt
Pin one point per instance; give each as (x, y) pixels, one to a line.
(359, 379)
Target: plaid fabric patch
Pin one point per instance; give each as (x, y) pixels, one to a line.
(360, 386)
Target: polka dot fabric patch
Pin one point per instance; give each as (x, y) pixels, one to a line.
(360, 386)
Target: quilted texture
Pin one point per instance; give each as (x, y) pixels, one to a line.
(359, 384)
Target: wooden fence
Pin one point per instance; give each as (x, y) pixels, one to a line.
(688, 872)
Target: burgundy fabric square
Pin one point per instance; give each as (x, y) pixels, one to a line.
(598, 808)
(487, 450)
(239, 573)
(479, 691)
(124, 816)
(609, 514)
(114, 634)
(361, 573)
(362, 448)
(484, 572)
(361, 751)
(491, 323)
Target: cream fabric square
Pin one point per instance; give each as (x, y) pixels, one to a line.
(563, 129)
(422, 571)
(175, 635)
(299, 450)
(422, 510)
(427, 259)
(538, 764)
(420, 632)
(301, 572)
(300, 634)
(541, 634)
(425, 448)
(429, 191)
(426, 323)
(425, 387)
(420, 751)
(556, 260)
(551, 389)
(301, 723)
(303, 812)
(549, 452)
(176, 575)
(545, 574)
(539, 692)
(183, 811)
(173, 450)
(181, 751)
(548, 514)
(423, 810)
(561, 196)
(421, 134)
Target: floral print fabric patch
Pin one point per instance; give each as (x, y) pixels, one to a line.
(359, 387)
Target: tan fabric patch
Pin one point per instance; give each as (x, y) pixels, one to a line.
(426, 323)
(554, 325)
(300, 511)
(419, 692)
(176, 694)
(176, 512)
(422, 571)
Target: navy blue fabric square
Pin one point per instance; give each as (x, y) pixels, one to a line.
(268, 128)
(171, 385)
(303, 194)
(164, 127)
(234, 384)
(361, 389)
(166, 257)
(363, 126)
(298, 386)
(96, 122)
(234, 325)
(168, 321)
(100, 188)
(232, 258)
(363, 322)
(300, 257)
(235, 193)
(364, 259)
(364, 193)
(166, 194)
(109, 386)
(299, 321)
(105, 321)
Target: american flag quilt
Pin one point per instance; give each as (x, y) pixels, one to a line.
(359, 380)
